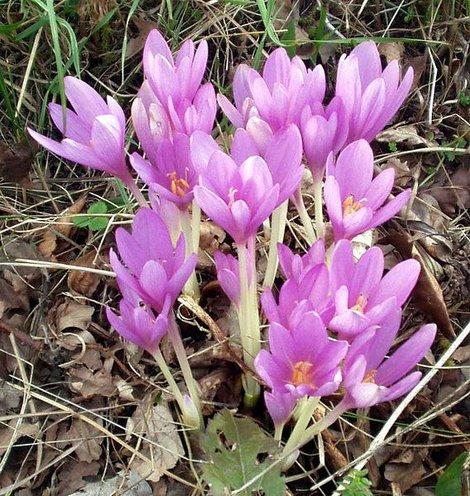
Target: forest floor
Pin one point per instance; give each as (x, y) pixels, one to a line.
(81, 412)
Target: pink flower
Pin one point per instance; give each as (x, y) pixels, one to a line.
(370, 378)
(324, 130)
(237, 198)
(279, 96)
(280, 405)
(363, 298)
(371, 96)
(172, 174)
(139, 324)
(176, 83)
(228, 275)
(354, 201)
(94, 132)
(156, 269)
(302, 359)
(296, 266)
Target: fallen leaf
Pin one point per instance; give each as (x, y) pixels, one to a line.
(72, 476)
(402, 171)
(403, 134)
(162, 445)
(84, 283)
(406, 471)
(124, 484)
(456, 195)
(71, 314)
(211, 238)
(89, 383)
(16, 161)
(391, 51)
(10, 397)
(87, 438)
(135, 45)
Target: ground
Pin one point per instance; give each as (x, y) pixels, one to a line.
(77, 405)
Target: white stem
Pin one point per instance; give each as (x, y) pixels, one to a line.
(304, 216)
(177, 342)
(249, 317)
(196, 226)
(134, 189)
(278, 226)
(169, 378)
(191, 288)
(317, 191)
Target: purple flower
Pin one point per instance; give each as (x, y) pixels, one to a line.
(302, 360)
(139, 324)
(94, 131)
(296, 266)
(324, 130)
(369, 378)
(363, 298)
(371, 96)
(172, 174)
(156, 270)
(238, 198)
(280, 405)
(354, 201)
(176, 83)
(279, 96)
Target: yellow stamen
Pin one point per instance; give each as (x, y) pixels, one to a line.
(350, 205)
(370, 376)
(361, 303)
(178, 186)
(302, 373)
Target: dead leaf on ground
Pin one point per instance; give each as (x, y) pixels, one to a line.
(17, 161)
(403, 173)
(456, 195)
(163, 446)
(13, 431)
(391, 51)
(427, 293)
(84, 283)
(87, 438)
(135, 45)
(211, 238)
(406, 470)
(10, 397)
(70, 314)
(60, 229)
(127, 484)
(72, 476)
(89, 383)
(404, 134)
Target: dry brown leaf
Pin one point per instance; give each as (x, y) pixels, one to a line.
(163, 447)
(392, 51)
(72, 476)
(87, 439)
(63, 226)
(17, 161)
(10, 397)
(12, 432)
(212, 236)
(89, 384)
(456, 195)
(406, 470)
(135, 45)
(84, 283)
(403, 134)
(71, 314)
(402, 171)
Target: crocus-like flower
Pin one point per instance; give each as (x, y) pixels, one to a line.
(296, 266)
(156, 270)
(94, 131)
(279, 96)
(364, 298)
(139, 324)
(302, 360)
(371, 96)
(238, 198)
(228, 275)
(324, 130)
(369, 378)
(354, 201)
(172, 175)
(176, 83)
(280, 405)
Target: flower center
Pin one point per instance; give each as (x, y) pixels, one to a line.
(360, 305)
(370, 376)
(302, 373)
(351, 206)
(178, 186)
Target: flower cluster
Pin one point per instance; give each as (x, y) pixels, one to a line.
(335, 317)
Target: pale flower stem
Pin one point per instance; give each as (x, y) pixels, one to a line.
(134, 189)
(278, 428)
(178, 346)
(318, 197)
(169, 378)
(306, 412)
(304, 216)
(191, 288)
(278, 226)
(196, 226)
(249, 317)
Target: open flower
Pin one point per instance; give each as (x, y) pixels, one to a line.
(354, 200)
(364, 298)
(296, 266)
(370, 378)
(94, 131)
(156, 270)
(279, 95)
(302, 359)
(172, 174)
(139, 324)
(237, 198)
(371, 96)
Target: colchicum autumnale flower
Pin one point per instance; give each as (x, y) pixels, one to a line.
(355, 202)
(94, 131)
